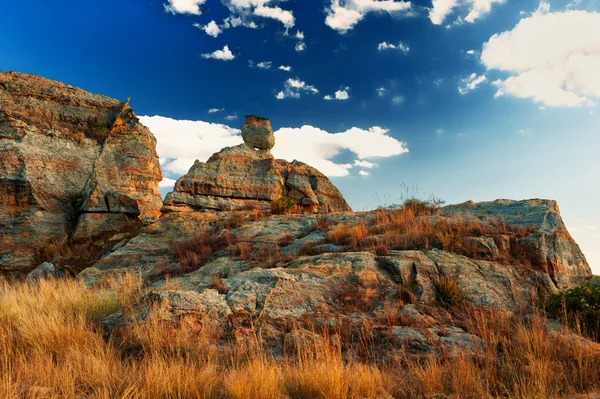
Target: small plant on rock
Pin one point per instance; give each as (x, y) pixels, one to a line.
(449, 293)
(282, 206)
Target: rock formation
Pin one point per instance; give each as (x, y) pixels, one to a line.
(74, 166)
(248, 174)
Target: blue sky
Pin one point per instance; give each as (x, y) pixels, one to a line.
(466, 99)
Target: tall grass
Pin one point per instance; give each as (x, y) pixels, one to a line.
(52, 344)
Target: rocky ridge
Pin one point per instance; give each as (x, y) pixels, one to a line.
(79, 167)
(74, 167)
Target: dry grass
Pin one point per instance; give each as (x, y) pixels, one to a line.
(52, 345)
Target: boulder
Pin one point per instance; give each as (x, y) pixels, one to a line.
(257, 133)
(43, 271)
(74, 166)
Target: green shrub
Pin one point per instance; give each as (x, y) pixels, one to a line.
(449, 293)
(578, 307)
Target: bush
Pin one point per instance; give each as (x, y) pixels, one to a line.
(448, 292)
(578, 307)
(282, 206)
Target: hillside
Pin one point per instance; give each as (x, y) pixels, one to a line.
(260, 262)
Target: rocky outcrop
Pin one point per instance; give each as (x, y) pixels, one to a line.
(74, 167)
(249, 175)
(290, 270)
(550, 245)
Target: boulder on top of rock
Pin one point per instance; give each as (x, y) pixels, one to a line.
(257, 133)
(241, 176)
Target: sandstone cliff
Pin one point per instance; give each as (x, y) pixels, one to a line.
(249, 175)
(73, 166)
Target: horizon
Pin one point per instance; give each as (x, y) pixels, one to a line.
(464, 101)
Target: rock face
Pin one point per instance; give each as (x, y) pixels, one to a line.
(239, 176)
(550, 244)
(74, 166)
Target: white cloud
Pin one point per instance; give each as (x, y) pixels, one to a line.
(339, 95)
(264, 65)
(231, 117)
(398, 99)
(181, 142)
(299, 35)
(470, 83)
(283, 16)
(285, 68)
(365, 164)
(244, 11)
(317, 147)
(343, 15)
(390, 46)
(474, 9)
(211, 29)
(439, 131)
(167, 183)
(380, 91)
(300, 46)
(471, 52)
(184, 6)
(364, 173)
(225, 54)
(553, 58)
(294, 88)
(214, 110)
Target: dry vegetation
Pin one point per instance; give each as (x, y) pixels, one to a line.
(52, 345)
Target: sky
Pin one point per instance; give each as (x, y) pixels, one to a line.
(459, 99)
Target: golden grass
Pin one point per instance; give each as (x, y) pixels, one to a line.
(52, 345)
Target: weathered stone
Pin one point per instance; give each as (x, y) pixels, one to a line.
(553, 248)
(257, 133)
(65, 155)
(43, 271)
(238, 177)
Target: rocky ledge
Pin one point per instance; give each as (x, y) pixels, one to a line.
(74, 167)
(248, 175)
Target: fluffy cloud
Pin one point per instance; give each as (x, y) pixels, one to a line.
(339, 95)
(225, 54)
(470, 83)
(474, 9)
(214, 110)
(364, 173)
(390, 46)
(285, 68)
(211, 29)
(343, 15)
(365, 164)
(294, 88)
(318, 147)
(181, 142)
(547, 65)
(381, 91)
(184, 6)
(244, 11)
(167, 183)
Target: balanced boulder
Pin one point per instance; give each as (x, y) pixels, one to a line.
(249, 175)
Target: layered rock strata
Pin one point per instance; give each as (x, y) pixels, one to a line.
(74, 166)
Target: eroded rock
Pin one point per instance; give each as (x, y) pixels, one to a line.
(72, 165)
